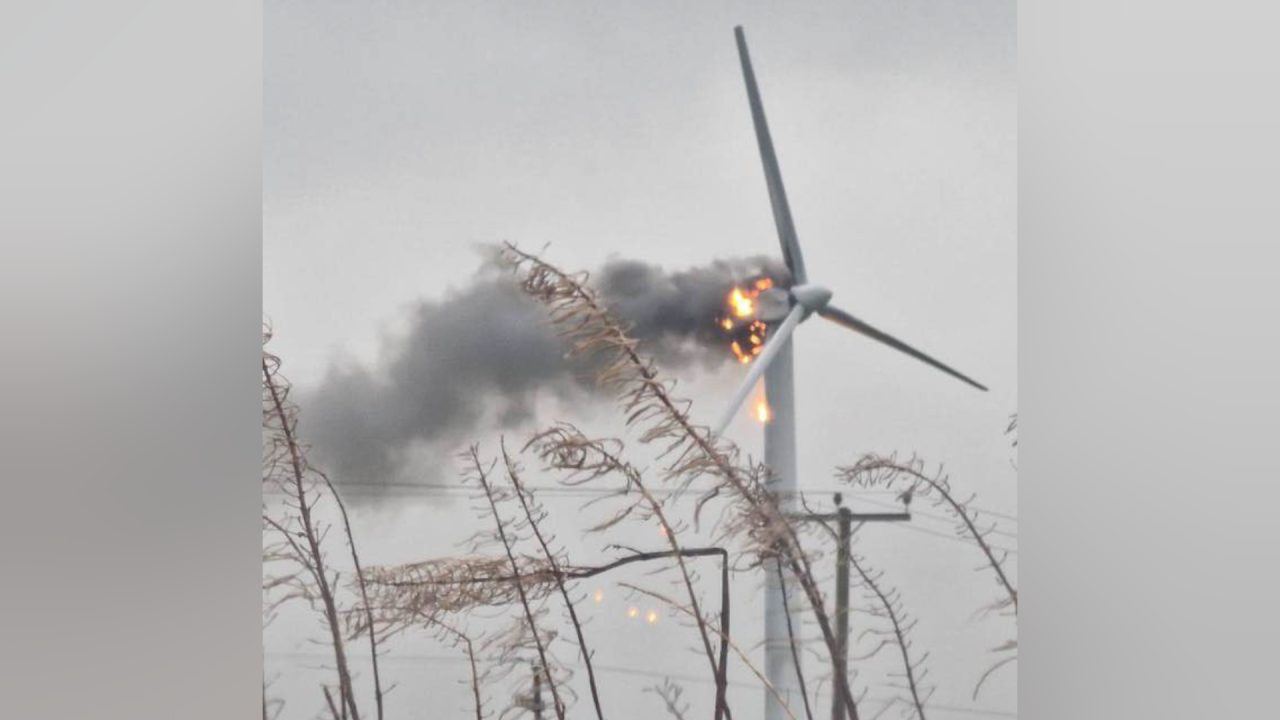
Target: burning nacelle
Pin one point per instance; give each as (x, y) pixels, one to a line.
(744, 322)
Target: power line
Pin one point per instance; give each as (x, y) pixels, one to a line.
(936, 516)
(955, 538)
(618, 669)
(433, 486)
(926, 531)
(452, 490)
(903, 526)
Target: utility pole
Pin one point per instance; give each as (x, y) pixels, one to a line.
(533, 701)
(841, 661)
(844, 536)
(536, 705)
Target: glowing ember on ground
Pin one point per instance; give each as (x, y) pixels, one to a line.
(633, 611)
(747, 332)
(599, 596)
(651, 617)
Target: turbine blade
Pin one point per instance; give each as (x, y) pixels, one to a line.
(772, 174)
(841, 317)
(760, 364)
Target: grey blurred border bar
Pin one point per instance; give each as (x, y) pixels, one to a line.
(130, 308)
(130, 304)
(1149, 151)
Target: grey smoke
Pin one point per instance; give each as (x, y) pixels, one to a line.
(478, 358)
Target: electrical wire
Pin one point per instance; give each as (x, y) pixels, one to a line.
(451, 490)
(618, 669)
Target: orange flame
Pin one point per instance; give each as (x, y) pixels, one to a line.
(749, 336)
(763, 412)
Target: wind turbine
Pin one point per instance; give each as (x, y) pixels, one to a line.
(790, 306)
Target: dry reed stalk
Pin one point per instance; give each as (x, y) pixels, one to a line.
(882, 471)
(886, 471)
(360, 584)
(791, 640)
(328, 698)
(404, 587)
(480, 475)
(589, 329)
(522, 496)
(453, 584)
(670, 694)
(458, 635)
(1011, 645)
(746, 660)
(890, 607)
(285, 466)
(564, 447)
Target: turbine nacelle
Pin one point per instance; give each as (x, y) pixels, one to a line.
(772, 305)
(814, 298)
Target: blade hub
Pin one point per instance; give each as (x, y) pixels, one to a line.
(812, 297)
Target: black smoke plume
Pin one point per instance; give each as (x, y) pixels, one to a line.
(479, 357)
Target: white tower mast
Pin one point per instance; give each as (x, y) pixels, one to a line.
(774, 364)
(780, 457)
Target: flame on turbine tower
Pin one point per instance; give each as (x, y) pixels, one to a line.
(763, 413)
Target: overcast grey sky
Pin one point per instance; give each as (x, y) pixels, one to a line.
(398, 135)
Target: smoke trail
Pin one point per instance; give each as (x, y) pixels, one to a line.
(482, 355)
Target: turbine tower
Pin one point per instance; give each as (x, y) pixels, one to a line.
(785, 309)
